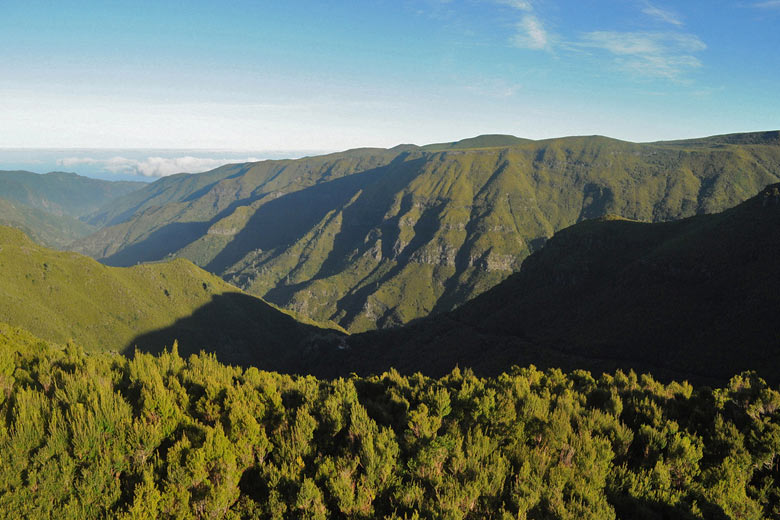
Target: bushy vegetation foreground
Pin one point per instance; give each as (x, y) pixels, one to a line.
(101, 436)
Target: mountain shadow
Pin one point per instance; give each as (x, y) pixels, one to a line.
(160, 243)
(285, 220)
(695, 299)
(242, 330)
(380, 237)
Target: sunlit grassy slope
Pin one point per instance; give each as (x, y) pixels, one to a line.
(376, 238)
(697, 298)
(63, 296)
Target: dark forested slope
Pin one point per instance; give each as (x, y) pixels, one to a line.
(697, 298)
(375, 238)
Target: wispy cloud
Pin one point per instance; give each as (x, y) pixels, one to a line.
(530, 30)
(152, 166)
(663, 15)
(531, 34)
(523, 5)
(653, 54)
(769, 4)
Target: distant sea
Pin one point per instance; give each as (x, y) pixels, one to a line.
(133, 164)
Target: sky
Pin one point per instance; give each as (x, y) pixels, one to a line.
(251, 77)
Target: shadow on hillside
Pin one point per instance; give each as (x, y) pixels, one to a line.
(353, 239)
(627, 506)
(166, 240)
(240, 330)
(239, 171)
(287, 219)
(279, 221)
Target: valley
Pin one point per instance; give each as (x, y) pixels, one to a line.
(375, 238)
(577, 327)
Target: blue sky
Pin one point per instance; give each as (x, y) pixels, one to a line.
(333, 75)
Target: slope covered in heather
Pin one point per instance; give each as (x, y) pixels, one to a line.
(697, 298)
(62, 296)
(376, 238)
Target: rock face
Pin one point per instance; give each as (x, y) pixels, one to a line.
(376, 238)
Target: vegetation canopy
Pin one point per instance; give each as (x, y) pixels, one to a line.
(98, 435)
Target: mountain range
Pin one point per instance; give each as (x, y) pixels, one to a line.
(668, 266)
(51, 230)
(62, 193)
(51, 207)
(376, 238)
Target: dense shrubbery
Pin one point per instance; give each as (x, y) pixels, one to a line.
(97, 435)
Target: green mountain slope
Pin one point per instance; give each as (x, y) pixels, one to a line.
(62, 296)
(697, 298)
(197, 198)
(62, 193)
(56, 231)
(377, 238)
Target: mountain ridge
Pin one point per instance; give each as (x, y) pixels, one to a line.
(377, 238)
(57, 231)
(62, 193)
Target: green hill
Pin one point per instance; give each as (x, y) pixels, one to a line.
(56, 231)
(482, 141)
(62, 193)
(697, 299)
(97, 435)
(62, 296)
(376, 238)
(749, 138)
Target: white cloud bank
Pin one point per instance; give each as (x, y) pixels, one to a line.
(153, 166)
